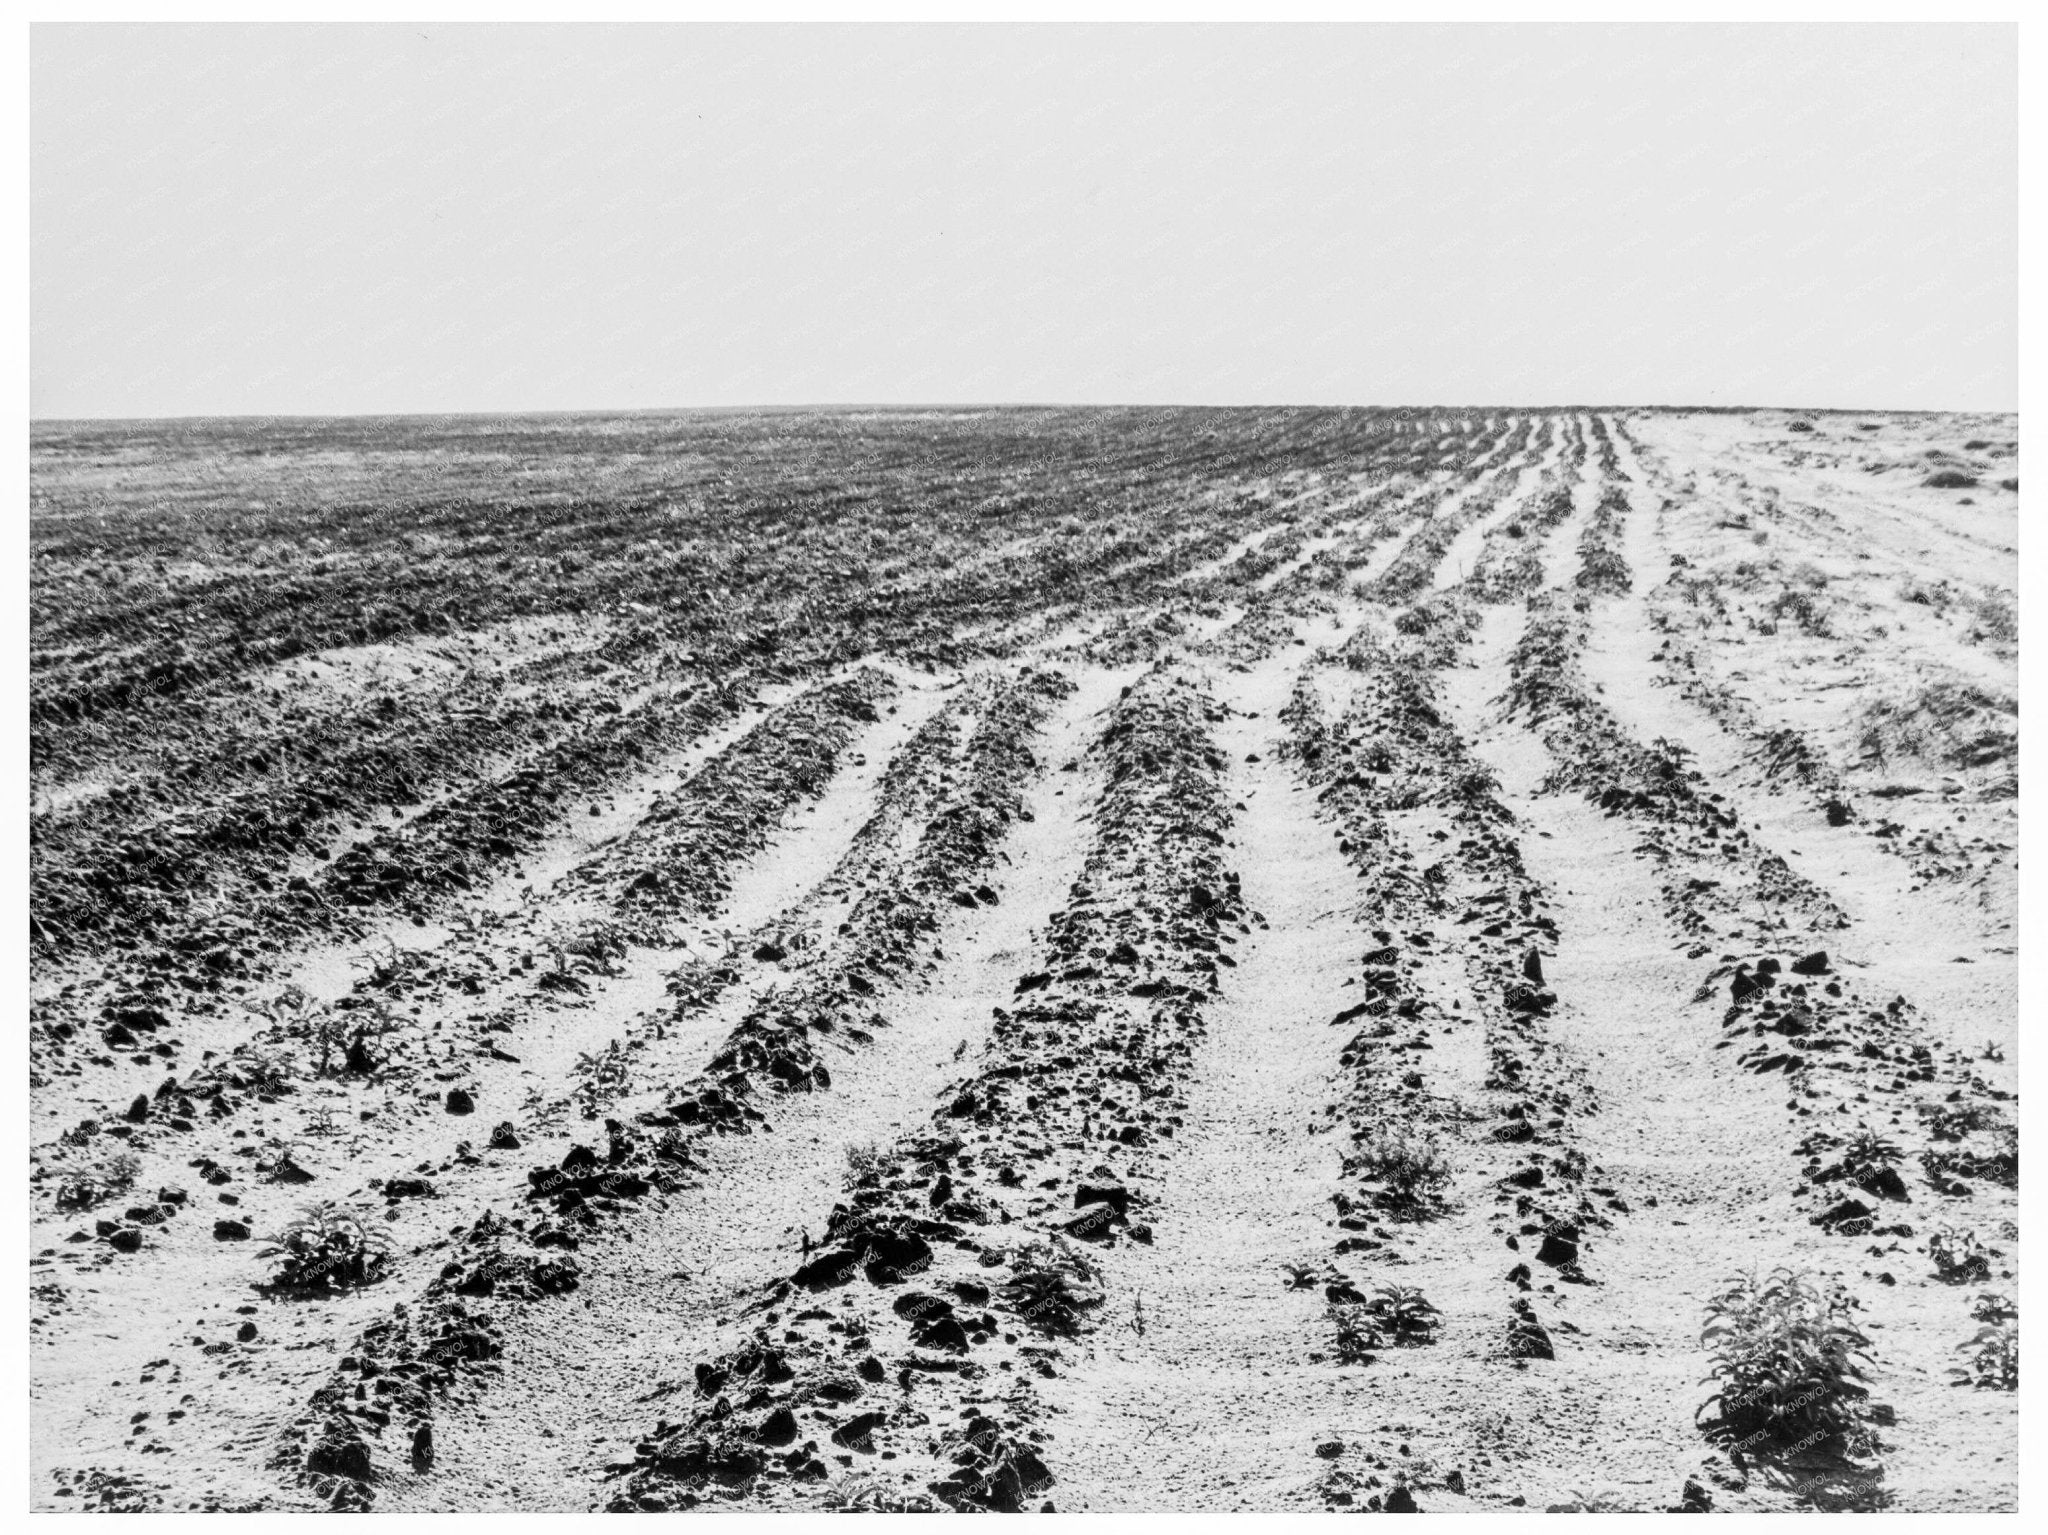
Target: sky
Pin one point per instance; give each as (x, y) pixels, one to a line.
(234, 220)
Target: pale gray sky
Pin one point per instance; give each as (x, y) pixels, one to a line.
(403, 218)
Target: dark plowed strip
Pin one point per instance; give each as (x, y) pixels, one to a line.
(956, 1264)
(507, 1261)
(1417, 564)
(1394, 753)
(723, 815)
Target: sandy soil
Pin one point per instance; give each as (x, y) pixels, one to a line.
(1477, 846)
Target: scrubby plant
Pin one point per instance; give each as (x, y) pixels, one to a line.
(1948, 723)
(1403, 1314)
(1995, 1306)
(387, 967)
(328, 1246)
(863, 1161)
(1411, 1164)
(540, 1113)
(1871, 1162)
(80, 1188)
(310, 1023)
(1356, 1335)
(266, 1072)
(323, 1120)
(601, 1077)
(1959, 1258)
(1868, 1155)
(1994, 1362)
(1788, 1360)
(280, 1162)
(1050, 1285)
(1953, 1121)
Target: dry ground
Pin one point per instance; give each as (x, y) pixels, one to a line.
(875, 961)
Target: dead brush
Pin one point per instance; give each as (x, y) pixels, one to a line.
(1788, 1361)
(309, 1023)
(387, 967)
(1995, 620)
(1945, 723)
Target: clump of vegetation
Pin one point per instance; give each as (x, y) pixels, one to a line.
(1953, 1121)
(281, 1162)
(1050, 1285)
(328, 1247)
(1995, 1306)
(309, 1023)
(1949, 479)
(1411, 1164)
(863, 1161)
(1356, 1335)
(265, 1072)
(1805, 605)
(1947, 723)
(601, 1079)
(1788, 1360)
(1994, 1362)
(1403, 1314)
(1996, 619)
(336, 1037)
(542, 1114)
(1999, 1165)
(80, 1188)
(1393, 1315)
(389, 967)
(1959, 1258)
(1872, 1163)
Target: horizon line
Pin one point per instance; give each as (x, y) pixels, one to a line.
(825, 408)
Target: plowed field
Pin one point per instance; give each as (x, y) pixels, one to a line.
(1091, 959)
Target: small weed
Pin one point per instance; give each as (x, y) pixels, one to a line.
(541, 1114)
(389, 968)
(1403, 1314)
(1959, 1258)
(601, 1078)
(1050, 1285)
(1951, 1122)
(328, 1247)
(280, 1160)
(309, 1023)
(80, 1188)
(1357, 1337)
(1993, 1307)
(863, 1161)
(1994, 1363)
(1411, 1164)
